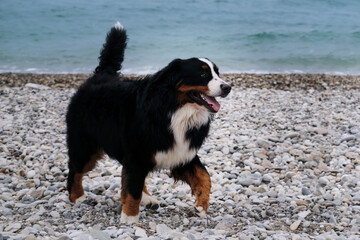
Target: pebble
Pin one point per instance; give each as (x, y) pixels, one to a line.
(260, 154)
(139, 232)
(250, 179)
(272, 194)
(37, 194)
(323, 181)
(152, 226)
(301, 202)
(272, 165)
(305, 191)
(321, 130)
(295, 225)
(13, 227)
(225, 150)
(54, 214)
(226, 223)
(267, 178)
(36, 86)
(162, 228)
(274, 139)
(30, 174)
(181, 204)
(292, 135)
(263, 144)
(323, 167)
(346, 138)
(304, 214)
(96, 233)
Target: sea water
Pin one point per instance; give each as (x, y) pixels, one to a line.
(239, 36)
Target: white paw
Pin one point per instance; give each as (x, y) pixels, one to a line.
(200, 212)
(128, 219)
(80, 199)
(149, 201)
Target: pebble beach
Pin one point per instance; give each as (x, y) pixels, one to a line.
(283, 154)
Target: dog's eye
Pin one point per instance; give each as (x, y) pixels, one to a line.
(204, 75)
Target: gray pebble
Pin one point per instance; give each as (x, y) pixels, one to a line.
(305, 191)
(250, 179)
(346, 138)
(226, 223)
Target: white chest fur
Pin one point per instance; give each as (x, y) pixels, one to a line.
(188, 116)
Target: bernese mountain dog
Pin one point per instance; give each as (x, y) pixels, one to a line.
(156, 122)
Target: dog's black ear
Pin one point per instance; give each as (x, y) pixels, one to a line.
(174, 63)
(170, 73)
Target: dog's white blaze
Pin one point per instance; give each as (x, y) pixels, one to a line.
(214, 84)
(188, 116)
(118, 26)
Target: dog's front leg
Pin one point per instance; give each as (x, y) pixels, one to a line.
(194, 173)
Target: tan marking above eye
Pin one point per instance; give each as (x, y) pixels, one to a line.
(204, 66)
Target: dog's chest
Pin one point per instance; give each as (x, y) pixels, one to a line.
(186, 123)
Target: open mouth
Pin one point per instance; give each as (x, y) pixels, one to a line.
(204, 100)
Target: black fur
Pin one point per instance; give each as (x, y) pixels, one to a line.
(197, 135)
(128, 119)
(177, 173)
(112, 54)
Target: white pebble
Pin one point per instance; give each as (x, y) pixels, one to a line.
(30, 174)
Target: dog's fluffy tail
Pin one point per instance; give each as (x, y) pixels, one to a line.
(112, 54)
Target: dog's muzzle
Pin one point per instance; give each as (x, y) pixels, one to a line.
(225, 89)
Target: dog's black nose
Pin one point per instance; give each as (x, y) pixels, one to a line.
(225, 88)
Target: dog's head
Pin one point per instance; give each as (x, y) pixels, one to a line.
(197, 81)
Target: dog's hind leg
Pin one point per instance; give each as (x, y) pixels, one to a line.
(77, 168)
(148, 200)
(132, 185)
(195, 174)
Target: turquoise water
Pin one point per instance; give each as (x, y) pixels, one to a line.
(240, 36)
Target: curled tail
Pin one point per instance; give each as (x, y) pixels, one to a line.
(112, 54)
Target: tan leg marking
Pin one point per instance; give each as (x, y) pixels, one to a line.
(145, 190)
(130, 205)
(200, 183)
(77, 189)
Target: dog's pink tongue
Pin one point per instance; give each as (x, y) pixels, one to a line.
(213, 103)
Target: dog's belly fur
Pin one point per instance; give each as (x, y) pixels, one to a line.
(184, 119)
